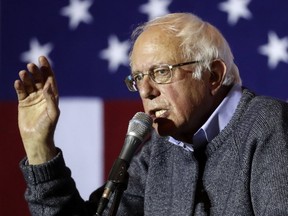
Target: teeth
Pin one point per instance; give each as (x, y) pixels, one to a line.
(159, 112)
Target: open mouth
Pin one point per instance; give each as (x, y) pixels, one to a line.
(161, 113)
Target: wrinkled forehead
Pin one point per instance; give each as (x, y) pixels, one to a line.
(154, 46)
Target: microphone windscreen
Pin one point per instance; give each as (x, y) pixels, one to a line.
(140, 126)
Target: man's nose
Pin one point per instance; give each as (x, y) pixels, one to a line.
(148, 88)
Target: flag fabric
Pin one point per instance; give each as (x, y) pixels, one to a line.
(87, 42)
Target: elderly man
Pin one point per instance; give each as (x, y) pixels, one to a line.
(216, 148)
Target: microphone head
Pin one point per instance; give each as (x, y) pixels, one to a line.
(140, 126)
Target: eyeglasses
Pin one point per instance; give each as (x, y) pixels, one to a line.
(161, 74)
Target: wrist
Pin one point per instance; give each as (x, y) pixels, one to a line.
(40, 154)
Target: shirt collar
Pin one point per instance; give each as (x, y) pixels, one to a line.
(219, 118)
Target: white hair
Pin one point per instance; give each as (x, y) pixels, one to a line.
(200, 41)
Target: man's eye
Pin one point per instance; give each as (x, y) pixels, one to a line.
(161, 72)
(138, 77)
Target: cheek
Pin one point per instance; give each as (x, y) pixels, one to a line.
(186, 102)
(182, 110)
(180, 103)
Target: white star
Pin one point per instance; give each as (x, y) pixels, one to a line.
(155, 8)
(236, 9)
(35, 51)
(116, 53)
(77, 12)
(276, 50)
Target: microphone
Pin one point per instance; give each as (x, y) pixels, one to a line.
(139, 130)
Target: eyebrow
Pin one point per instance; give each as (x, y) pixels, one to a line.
(151, 67)
(134, 73)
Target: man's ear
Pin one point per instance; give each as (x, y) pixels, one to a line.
(217, 74)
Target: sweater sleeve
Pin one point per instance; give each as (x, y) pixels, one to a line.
(51, 189)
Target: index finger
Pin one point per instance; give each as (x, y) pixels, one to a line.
(48, 74)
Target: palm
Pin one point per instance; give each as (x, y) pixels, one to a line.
(34, 117)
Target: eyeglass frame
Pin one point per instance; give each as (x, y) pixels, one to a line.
(131, 83)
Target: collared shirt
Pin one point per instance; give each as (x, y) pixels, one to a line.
(216, 122)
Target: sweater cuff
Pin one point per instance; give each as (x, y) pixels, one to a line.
(51, 170)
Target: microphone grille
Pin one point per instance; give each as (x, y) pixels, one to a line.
(140, 126)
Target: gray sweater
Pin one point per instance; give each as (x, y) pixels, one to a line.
(242, 171)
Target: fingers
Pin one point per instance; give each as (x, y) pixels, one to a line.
(38, 79)
(20, 90)
(48, 75)
(24, 86)
(45, 67)
(35, 79)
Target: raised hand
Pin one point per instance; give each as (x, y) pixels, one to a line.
(38, 110)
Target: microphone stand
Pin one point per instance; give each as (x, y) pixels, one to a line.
(117, 182)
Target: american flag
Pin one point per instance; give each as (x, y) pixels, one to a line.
(87, 42)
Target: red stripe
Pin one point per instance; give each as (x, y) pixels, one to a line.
(117, 116)
(12, 184)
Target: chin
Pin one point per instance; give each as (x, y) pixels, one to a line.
(164, 127)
